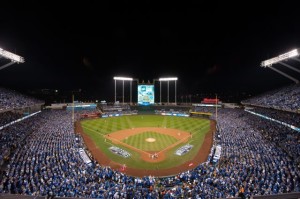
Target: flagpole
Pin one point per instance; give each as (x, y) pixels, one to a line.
(73, 108)
(216, 107)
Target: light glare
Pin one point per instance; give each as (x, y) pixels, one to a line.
(123, 78)
(279, 58)
(11, 56)
(168, 79)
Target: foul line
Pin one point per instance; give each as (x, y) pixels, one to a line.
(94, 130)
(175, 144)
(100, 134)
(126, 145)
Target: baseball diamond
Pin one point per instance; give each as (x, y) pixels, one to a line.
(151, 140)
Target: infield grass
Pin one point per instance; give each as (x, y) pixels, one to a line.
(139, 141)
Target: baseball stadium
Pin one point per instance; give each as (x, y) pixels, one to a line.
(148, 148)
(106, 102)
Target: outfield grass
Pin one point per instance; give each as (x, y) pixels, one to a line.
(198, 127)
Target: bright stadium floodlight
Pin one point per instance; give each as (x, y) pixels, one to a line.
(168, 79)
(292, 54)
(123, 78)
(13, 57)
(279, 58)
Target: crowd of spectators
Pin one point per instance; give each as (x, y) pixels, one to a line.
(283, 116)
(258, 163)
(284, 137)
(9, 116)
(48, 162)
(258, 156)
(12, 136)
(10, 99)
(286, 99)
(206, 109)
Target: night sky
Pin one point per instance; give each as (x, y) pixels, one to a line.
(211, 47)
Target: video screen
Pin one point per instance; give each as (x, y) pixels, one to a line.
(145, 94)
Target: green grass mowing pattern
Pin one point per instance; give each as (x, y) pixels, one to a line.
(162, 141)
(96, 128)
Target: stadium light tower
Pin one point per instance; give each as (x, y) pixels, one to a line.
(291, 54)
(168, 79)
(123, 79)
(13, 58)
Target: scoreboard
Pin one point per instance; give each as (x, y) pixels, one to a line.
(145, 94)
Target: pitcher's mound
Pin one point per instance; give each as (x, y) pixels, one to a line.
(150, 140)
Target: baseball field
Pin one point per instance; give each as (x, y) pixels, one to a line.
(151, 142)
